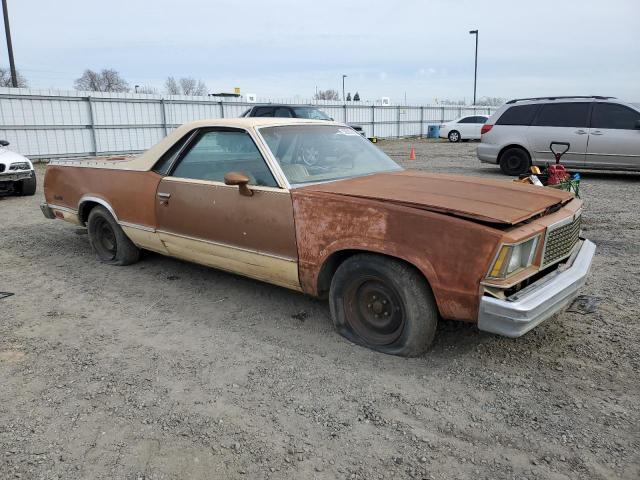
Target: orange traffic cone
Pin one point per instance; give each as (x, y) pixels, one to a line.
(412, 154)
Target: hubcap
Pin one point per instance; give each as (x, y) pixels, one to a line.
(374, 311)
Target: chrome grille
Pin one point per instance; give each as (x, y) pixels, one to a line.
(561, 240)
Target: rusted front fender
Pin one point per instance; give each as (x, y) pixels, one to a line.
(453, 254)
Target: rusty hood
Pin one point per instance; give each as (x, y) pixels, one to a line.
(492, 201)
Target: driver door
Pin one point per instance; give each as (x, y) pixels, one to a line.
(201, 219)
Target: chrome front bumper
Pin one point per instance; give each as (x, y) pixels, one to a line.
(527, 308)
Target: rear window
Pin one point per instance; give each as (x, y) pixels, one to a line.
(573, 114)
(518, 115)
(614, 116)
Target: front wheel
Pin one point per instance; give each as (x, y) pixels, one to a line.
(454, 136)
(27, 187)
(383, 304)
(108, 239)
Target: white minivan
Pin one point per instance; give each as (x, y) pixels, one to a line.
(604, 134)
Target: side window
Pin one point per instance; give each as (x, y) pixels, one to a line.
(263, 112)
(480, 119)
(218, 152)
(518, 115)
(467, 120)
(163, 165)
(562, 115)
(612, 115)
(282, 112)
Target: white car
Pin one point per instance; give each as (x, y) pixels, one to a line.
(463, 128)
(17, 175)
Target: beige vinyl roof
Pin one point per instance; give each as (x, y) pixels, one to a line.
(147, 159)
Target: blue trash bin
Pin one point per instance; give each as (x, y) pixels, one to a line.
(433, 131)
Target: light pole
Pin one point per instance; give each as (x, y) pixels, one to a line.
(7, 31)
(475, 71)
(343, 77)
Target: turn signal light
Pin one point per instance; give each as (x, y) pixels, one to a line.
(485, 128)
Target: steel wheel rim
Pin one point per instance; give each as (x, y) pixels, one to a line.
(514, 162)
(106, 242)
(374, 311)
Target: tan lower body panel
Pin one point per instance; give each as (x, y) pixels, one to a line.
(145, 239)
(276, 270)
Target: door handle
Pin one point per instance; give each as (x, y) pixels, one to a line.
(580, 132)
(164, 195)
(597, 132)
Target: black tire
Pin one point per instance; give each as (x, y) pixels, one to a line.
(108, 239)
(383, 304)
(454, 136)
(27, 187)
(514, 161)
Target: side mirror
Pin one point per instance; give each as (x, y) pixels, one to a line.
(4, 143)
(239, 179)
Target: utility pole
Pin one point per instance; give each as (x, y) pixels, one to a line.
(7, 31)
(343, 77)
(475, 71)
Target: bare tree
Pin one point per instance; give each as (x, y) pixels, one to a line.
(491, 101)
(327, 95)
(185, 86)
(171, 86)
(107, 80)
(5, 79)
(356, 97)
(148, 89)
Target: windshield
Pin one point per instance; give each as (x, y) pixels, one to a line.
(308, 112)
(318, 153)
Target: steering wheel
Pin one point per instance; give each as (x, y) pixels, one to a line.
(308, 155)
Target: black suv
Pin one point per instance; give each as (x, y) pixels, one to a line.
(293, 111)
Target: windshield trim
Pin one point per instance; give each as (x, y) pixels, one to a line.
(280, 173)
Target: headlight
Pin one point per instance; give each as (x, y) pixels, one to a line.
(512, 258)
(20, 166)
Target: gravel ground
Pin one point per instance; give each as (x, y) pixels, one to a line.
(166, 369)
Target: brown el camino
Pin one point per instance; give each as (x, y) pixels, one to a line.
(314, 207)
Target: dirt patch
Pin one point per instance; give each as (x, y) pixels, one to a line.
(166, 369)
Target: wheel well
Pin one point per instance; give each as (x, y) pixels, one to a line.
(520, 147)
(331, 264)
(85, 210)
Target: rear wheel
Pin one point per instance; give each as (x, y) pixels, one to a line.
(383, 304)
(108, 239)
(27, 187)
(454, 136)
(514, 161)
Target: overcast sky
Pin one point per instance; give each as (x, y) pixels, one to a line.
(284, 48)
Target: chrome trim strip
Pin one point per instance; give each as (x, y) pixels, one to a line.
(62, 209)
(137, 226)
(226, 245)
(100, 201)
(614, 154)
(222, 184)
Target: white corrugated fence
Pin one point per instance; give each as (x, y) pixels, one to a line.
(45, 124)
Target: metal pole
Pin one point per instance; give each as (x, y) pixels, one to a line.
(92, 126)
(475, 70)
(343, 97)
(7, 31)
